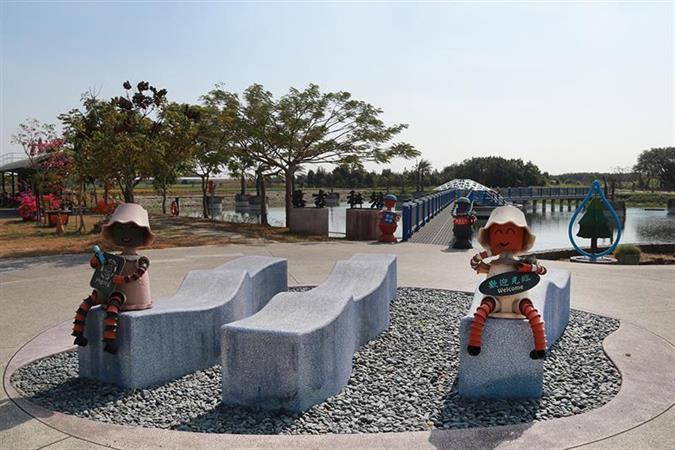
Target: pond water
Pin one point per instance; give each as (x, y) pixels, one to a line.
(640, 227)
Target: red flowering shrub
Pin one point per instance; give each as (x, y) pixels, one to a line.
(27, 206)
(105, 208)
(51, 202)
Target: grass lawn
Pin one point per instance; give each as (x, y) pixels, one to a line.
(645, 199)
(20, 239)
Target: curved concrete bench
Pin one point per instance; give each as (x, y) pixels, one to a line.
(504, 369)
(181, 334)
(297, 351)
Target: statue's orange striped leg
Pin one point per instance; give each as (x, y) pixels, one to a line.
(112, 309)
(476, 330)
(80, 317)
(537, 324)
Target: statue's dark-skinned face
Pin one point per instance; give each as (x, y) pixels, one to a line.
(128, 235)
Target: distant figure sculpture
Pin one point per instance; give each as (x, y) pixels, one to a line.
(354, 198)
(463, 219)
(297, 199)
(121, 281)
(388, 219)
(320, 199)
(506, 235)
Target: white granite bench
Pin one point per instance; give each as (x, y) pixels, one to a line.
(503, 368)
(181, 334)
(297, 351)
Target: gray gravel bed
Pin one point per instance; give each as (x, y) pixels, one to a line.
(402, 381)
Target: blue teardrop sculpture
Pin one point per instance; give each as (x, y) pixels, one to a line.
(595, 187)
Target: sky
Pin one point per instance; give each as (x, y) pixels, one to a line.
(570, 86)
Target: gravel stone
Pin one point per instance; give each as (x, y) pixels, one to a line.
(404, 380)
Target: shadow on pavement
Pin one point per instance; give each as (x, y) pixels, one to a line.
(460, 413)
(11, 415)
(58, 261)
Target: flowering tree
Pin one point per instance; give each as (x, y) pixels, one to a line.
(44, 150)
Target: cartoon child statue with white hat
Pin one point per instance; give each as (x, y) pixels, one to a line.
(121, 282)
(506, 235)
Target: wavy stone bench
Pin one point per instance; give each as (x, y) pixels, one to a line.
(298, 350)
(504, 369)
(181, 334)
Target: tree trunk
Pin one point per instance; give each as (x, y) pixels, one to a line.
(205, 205)
(93, 183)
(80, 209)
(36, 194)
(164, 200)
(263, 200)
(288, 176)
(594, 245)
(128, 193)
(242, 180)
(258, 182)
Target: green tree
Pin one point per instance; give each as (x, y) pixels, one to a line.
(659, 164)
(81, 130)
(132, 128)
(422, 167)
(213, 149)
(175, 146)
(594, 224)
(118, 138)
(310, 127)
(248, 132)
(495, 171)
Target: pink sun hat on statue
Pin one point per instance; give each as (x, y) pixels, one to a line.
(502, 215)
(129, 213)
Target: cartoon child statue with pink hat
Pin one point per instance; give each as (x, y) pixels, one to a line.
(507, 235)
(120, 282)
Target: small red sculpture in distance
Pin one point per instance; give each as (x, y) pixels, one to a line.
(389, 220)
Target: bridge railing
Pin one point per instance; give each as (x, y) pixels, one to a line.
(542, 192)
(420, 211)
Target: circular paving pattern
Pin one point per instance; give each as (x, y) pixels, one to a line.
(402, 381)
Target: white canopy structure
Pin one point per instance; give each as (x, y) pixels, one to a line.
(463, 184)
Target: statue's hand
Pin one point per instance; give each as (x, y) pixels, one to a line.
(524, 267)
(93, 262)
(483, 268)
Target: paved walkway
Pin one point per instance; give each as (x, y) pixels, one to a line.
(38, 293)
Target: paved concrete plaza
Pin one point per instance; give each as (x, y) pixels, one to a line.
(38, 293)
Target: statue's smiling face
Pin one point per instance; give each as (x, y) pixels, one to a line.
(506, 238)
(128, 235)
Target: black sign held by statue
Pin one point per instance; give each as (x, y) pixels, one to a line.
(509, 283)
(102, 280)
